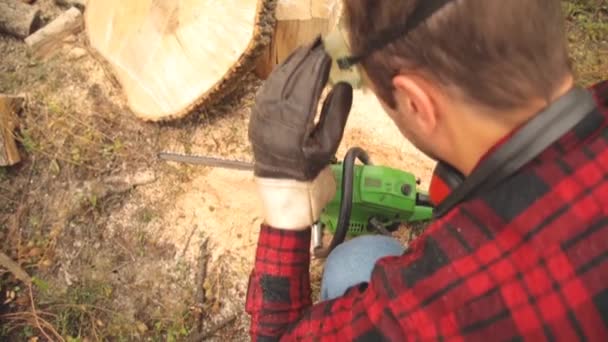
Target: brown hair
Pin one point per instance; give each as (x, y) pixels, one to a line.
(496, 53)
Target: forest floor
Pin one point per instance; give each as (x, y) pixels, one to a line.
(125, 247)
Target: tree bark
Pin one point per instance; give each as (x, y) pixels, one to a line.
(19, 19)
(9, 106)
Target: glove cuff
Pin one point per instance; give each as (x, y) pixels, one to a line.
(295, 205)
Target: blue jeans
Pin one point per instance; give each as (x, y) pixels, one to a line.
(352, 262)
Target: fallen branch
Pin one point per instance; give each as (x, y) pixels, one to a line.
(200, 289)
(15, 269)
(22, 315)
(50, 37)
(93, 192)
(213, 330)
(123, 183)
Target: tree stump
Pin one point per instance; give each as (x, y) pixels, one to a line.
(298, 23)
(9, 107)
(19, 19)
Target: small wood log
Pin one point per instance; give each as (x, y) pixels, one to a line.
(298, 23)
(50, 37)
(9, 107)
(18, 19)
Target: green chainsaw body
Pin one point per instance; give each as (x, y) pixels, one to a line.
(383, 193)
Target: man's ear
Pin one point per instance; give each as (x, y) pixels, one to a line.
(414, 96)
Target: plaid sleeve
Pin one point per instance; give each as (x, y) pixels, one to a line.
(279, 286)
(279, 298)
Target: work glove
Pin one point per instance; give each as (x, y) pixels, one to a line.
(292, 153)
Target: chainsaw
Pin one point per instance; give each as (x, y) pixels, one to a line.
(369, 198)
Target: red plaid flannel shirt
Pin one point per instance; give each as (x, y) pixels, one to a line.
(528, 261)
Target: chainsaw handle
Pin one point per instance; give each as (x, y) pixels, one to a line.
(346, 202)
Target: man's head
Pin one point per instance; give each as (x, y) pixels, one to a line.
(474, 70)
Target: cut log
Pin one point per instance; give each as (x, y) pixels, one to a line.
(298, 22)
(172, 57)
(9, 107)
(50, 37)
(18, 19)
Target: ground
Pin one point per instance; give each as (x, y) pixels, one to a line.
(123, 246)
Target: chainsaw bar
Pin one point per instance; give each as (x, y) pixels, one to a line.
(207, 161)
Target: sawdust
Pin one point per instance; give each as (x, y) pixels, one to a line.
(223, 206)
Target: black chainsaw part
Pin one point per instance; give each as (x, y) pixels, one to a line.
(424, 200)
(346, 202)
(384, 228)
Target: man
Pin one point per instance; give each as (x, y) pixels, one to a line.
(519, 248)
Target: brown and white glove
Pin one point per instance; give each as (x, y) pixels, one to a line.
(291, 152)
